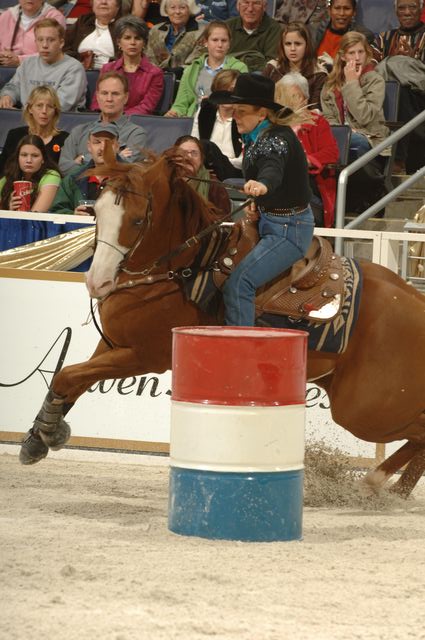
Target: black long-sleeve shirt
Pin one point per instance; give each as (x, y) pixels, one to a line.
(277, 159)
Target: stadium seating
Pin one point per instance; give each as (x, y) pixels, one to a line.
(6, 73)
(161, 132)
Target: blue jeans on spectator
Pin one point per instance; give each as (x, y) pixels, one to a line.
(283, 241)
(359, 145)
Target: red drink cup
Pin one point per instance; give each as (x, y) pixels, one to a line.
(23, 189)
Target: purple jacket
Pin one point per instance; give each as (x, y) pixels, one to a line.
(145, 86)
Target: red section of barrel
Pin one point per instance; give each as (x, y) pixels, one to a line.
(239, 366)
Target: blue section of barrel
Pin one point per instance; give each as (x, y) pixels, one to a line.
(251, 507)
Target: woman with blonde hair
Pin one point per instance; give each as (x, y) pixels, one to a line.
(276, 173)
(354, 94)
(41, 114)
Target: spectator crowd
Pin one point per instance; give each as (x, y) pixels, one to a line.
(322, 60)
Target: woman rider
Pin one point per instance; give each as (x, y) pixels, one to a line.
(276, 173)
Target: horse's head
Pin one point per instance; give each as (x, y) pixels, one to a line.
(122, 212)
(145, 210)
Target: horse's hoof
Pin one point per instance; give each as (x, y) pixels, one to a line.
(57, 439)
(33, 448)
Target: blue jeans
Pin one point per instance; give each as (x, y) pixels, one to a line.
(283, 241)
(359, 145)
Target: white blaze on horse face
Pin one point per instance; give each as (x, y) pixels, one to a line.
(101, 277)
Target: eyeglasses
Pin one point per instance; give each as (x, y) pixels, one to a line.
(194, 153)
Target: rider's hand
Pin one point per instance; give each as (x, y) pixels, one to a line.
(254, 188)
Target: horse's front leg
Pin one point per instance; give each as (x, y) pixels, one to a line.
(50, 429)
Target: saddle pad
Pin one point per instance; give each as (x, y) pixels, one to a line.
(199, 286)
(331, 337)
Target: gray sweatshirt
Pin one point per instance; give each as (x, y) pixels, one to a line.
(67, 77)
(130, 135)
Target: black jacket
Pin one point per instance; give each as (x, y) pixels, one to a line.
(277, 159)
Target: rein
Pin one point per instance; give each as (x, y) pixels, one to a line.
(187, 244)
(228, 187)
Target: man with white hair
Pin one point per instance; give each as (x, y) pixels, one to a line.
(255, 36)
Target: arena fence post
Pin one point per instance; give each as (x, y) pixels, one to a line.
(237, 433)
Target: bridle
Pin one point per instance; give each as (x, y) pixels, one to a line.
(146, 273)
(187, 244)
(144, 224)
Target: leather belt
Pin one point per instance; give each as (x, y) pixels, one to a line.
(291, 211)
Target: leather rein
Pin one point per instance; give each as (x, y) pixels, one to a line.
(146, 273)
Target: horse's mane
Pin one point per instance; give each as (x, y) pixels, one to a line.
(174, 167)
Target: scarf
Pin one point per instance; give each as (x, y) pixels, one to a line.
(251, 137)
(202, 188)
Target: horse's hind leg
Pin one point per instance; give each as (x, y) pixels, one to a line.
(378, 477)
(411, 474)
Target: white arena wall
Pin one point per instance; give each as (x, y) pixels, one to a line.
(132, 414)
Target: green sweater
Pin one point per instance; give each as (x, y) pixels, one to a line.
(256, 48)
(186, 101)
(73, 188)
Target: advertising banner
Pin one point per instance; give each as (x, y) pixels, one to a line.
(39, 312)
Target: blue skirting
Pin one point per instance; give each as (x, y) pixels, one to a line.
(253, 507)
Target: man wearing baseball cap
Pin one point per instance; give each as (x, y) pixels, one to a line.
(78, 192)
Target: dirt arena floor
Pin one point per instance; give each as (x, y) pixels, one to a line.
(86, 555)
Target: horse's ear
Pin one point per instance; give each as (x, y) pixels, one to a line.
(109, 155)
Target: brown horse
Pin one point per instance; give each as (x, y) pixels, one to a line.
(375, 388)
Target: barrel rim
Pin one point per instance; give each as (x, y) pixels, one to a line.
(221, 331)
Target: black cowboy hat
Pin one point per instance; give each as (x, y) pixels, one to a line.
(253, 89)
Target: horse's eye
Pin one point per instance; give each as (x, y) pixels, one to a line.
(138, 222)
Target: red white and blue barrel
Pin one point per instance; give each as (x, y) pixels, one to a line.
(237, 433)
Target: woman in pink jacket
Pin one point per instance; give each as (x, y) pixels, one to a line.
(17, 23)
(145, 80)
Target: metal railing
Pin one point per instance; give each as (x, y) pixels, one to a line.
(361, 162)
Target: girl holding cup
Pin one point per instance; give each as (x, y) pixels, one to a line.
(30, 163)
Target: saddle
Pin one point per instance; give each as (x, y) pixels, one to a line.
(312, 289)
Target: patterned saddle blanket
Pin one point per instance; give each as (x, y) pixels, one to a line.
(320, 294)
